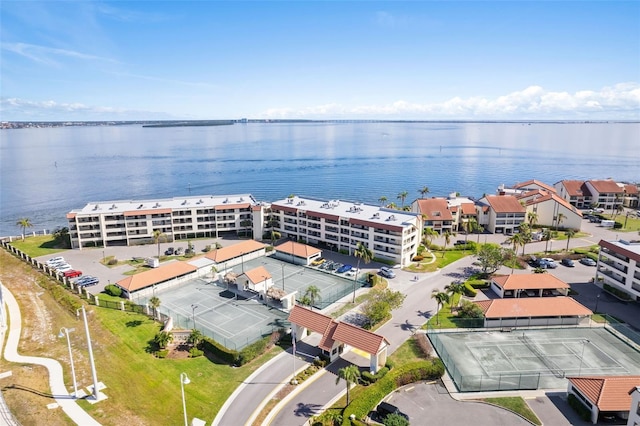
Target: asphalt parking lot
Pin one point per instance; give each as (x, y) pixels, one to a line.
(431, 404)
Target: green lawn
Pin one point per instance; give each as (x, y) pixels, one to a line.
(40, 245)
(132, 375)
(517, 405)
(450, 256)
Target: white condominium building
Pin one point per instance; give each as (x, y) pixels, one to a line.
(340, 225)
(111, 223)
(619, 266)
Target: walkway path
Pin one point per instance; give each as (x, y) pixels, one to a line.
(56, 379)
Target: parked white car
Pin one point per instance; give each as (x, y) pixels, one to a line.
(54, 260)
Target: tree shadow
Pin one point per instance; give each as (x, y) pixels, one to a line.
(307, 410)
(134, 323)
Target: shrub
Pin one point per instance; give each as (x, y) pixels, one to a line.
(195, 352)
(579, 407)
(369, 378)
(207, 248)
(400, 376)
(418, 258)
(230, 356)
(395, 419)
(319, 362)
(424, 344)
(469, 291)
(621, 294)
(470, 310)
(112, 261)
(390, 364)
(113, 290)
(477, 283)
(163, 353)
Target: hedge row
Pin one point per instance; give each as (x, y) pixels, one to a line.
(469, 291)
(478, 283)
(399, 376)
(248, 354)
(621, 294)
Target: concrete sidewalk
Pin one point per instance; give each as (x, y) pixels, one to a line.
(56, 379)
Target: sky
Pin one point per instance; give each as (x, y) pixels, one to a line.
(400, 60)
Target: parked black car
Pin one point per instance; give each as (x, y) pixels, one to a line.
(534, 261)
(169, 251)
(567, 262)
(384, 409)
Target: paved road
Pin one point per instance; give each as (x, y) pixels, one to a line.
(433, 404)
(56, 379)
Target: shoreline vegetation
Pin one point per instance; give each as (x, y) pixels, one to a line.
(191, 123)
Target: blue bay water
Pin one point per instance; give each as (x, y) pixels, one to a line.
(47, 172)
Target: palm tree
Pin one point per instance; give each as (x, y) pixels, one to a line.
(382, 200)
(466, 225)
(423, 191)
(516, 240)
(362, 253)
(312, 294)
(441, 298)
(24, 223)
(546, 236)
(559, 219)
(154, 302)
(525, 233)
(162, 339)
(569, 233)
(454, 288)
(158, 235)
(532, 218)
(428, 235)
(195, 338)
(447, 240)
(619, 209)
(402, 196)
(350, 374)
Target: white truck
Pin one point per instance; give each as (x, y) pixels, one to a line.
(608, 223)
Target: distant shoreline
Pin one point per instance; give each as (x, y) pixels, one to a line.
(194, 123)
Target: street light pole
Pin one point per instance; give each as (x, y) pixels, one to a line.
(184, 380)
(193, 315)
(282, 276)
(65, 331)
(584, 343)
(91, 361)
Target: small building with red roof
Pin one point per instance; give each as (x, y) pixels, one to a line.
(607, 397)
(435, 212)
(528, 285)
(296, 253)
(338, 336)
(533, 311)
(575, 192)
(607, 193)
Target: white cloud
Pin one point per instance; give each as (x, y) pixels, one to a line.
(24, 110)
(48, 55)
(621, 101)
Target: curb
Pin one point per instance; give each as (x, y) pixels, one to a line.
(276, 410)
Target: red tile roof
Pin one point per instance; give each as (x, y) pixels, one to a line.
(359, 338)
(534, 182)
(313, 320)
(529, 282)
(535, 307)
(546, 197)
(230, 252)
(505, 204)
(297, 249)
(631, 189)
(258, 275)
(155, 276)
(606, 186)
(576, 188)
(333, 331)
(608, 393)
(435, 209)
(468, 209)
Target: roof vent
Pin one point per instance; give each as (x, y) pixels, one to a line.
(96, 207)
(140, 206)
(376, 215)
(113, 206)
(156, 205)
(184, 203)
(241, 199)
(392, 217)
